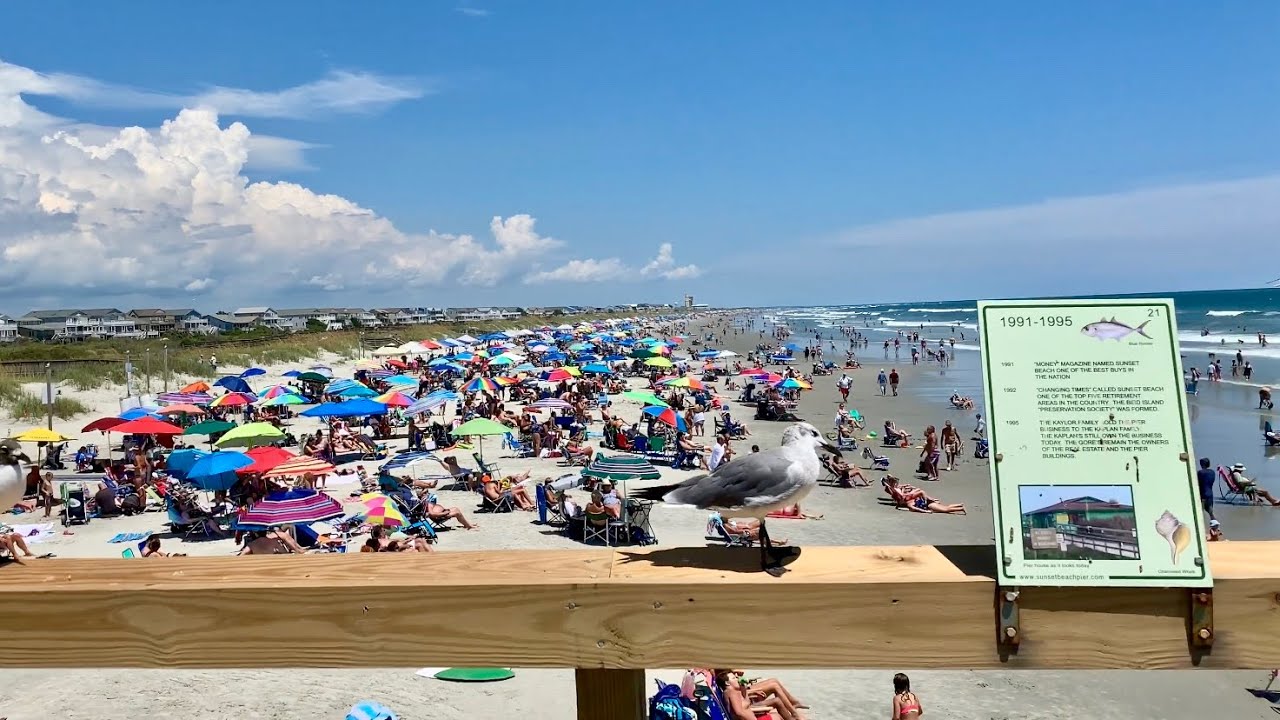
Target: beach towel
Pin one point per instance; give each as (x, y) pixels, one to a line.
(34, 533)
(370, 710)
(129, 537)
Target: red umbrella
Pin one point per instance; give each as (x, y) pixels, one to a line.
(103, 424)
(557, 375)
(147, 426)
(398, 364)
(266, 458)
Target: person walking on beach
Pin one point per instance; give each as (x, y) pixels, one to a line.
(213, 363)
(893, 381)
(1206, 478)
(843, 385)
(883, 380)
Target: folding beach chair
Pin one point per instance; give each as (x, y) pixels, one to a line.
(485, 468)
(1230, 492)
(604, 527)
(716, 530)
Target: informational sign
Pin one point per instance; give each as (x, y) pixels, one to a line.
(1092, 473)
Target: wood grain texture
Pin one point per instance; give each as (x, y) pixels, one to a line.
(611, 694)
(598, 609)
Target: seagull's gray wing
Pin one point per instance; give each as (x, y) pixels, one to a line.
(745, 481)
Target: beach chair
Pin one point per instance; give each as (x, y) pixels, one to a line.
(485, 469)
(518, 448)
(717, 530)
(603, 526)
(1269, 435)
(602, 400)
(128, 554)
(832, 476)
(1230, 492)
(658, 449)
(185, 528)
(555, 504)
(878, 462)
(641, 445)
(504, 503)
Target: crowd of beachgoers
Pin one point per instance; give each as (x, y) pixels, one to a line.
(445, 444)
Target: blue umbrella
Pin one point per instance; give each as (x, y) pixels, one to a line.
(293, 373)
(493, 336)
(614, 358)
(356, 391)
(351, 408)
(233, 384)
(656, 410)
(439, 361)
(340, 385)
(137, 413)
(792, 347)
(596, 368)
(218, 463)
(180, 461)
(401, 380)
(587, 357)
(404, 460)
(253, 371)
(555, 356)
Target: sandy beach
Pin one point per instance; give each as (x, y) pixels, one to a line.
(851, 516)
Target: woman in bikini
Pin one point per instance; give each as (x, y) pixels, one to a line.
(930, 453)
(950, 444)
(906, 705)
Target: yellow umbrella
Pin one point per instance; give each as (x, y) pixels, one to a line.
(658, 362)
(41, 435)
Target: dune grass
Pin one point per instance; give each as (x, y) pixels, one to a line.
(25, 406)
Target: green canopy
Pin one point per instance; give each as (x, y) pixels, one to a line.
(480, 426)
(621, 467)
(312, 377)
(209, 427)
(258, 433)
(645, 397)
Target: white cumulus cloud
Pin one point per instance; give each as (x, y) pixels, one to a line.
(614, 269)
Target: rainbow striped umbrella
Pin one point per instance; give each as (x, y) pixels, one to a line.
(286, 399)
(793, 384)
(233, 399)
(394, 398)
(687, 382)
(274, 391)
(482, 383)
(380, 510)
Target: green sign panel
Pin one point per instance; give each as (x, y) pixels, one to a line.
(1092, 473)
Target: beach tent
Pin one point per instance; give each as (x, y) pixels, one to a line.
(387, 351)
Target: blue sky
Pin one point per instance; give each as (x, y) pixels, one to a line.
(749, 153)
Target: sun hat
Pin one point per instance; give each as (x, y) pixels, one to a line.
(1238, 467)
(1215, 524)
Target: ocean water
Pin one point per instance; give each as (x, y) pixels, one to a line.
(1226, 424)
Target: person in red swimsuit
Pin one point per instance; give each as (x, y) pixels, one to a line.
(906, 705)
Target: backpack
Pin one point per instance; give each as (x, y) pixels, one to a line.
(667, 704)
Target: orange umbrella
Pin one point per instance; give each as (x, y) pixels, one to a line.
(266, 458)
(183, 408)
(196, 387)
(301, 465)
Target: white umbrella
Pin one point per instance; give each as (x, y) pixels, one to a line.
(387, 351)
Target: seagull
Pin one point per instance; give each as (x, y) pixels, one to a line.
(13, 484)
(755, 485)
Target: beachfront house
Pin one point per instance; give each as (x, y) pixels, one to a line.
(192, 321)
(296, 319)
(228, 322)
(8, 329)
(71, 324)
(360, 317)
(476, 314)
(261, 317)
(395, 316)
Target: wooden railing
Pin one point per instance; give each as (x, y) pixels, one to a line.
(612, 613)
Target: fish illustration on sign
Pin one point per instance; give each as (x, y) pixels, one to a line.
(1112, 329)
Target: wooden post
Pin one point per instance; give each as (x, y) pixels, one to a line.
(610, 694)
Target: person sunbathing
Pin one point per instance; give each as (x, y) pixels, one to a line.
(271, 542)
(850, 476)
(579, 449)
(494, 494)
(14, 543)
(908, 497)
(459, 473)
(740, 704)
(396, 542)
(152, 549)
(440, 514)
(1250, 488)
(895, 436)
(793, 512)
(750, 528)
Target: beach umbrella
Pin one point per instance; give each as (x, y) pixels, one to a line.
(312, 377)
(198, 386)
(502, 360)
(387, 351)
(401, 380)
(439, 361)
(726, 354)
(286, 399)
(467, 339)
(399, 364)
(360, 407)
(299, 466)
(668, 416)
(480, 426)
(324, 370)
(253, 372)
(368, 364)
(234, 399)
(291, 507)
(292, 373)
(407, 460)
(182, 409)
(147, 426)
(394, 398)
(265, 458)
(356, 391)
(621, 467)
(658, 362)
(596, 368)
(643, 396)
(102, 424)
(180, 461)
(233, 384)
(482, 383)
(687, 382)
(137, 413)
(249, 435)
(274, 391)
(614, 358)
(557, 375)
(337, 385)
(381, 511)
(209, 427)
(550, 404)
(196, 398)
(792, 384)
(41, 435)
(430, 402)
(218, 463)
(754, 371)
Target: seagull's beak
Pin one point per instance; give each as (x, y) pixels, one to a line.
(832, 449)
(23, 457)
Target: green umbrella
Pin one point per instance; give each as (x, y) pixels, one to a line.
(480, 426)
(258, 433)
(209, 427)
(647, 398)
(621, 467)
(643, 353)
(312, 377)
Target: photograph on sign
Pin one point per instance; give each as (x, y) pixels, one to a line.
(1091, 481)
